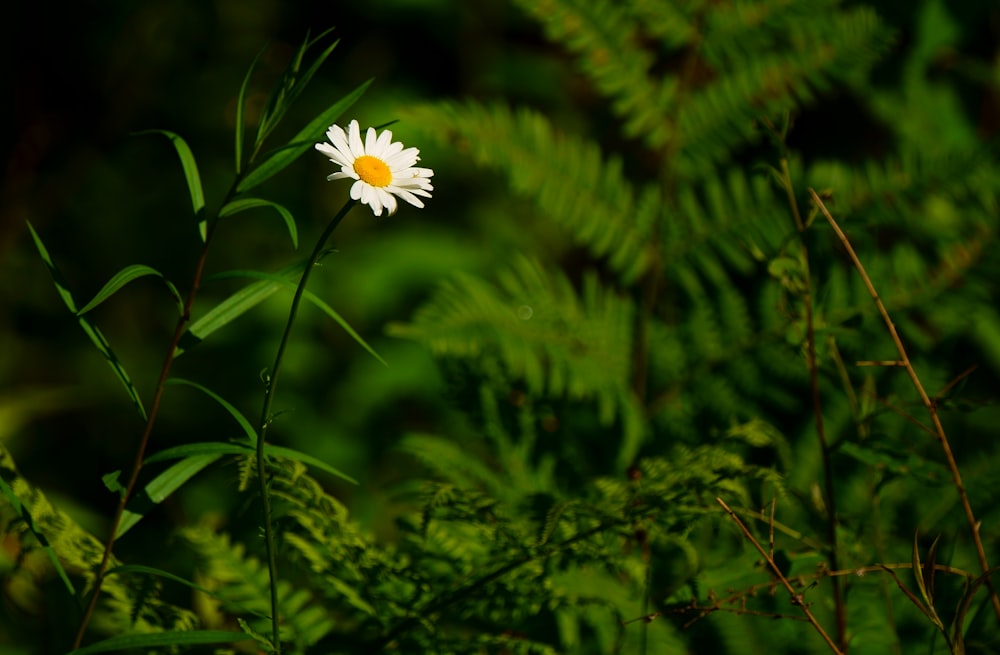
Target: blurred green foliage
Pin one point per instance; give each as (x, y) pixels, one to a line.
(905, 141)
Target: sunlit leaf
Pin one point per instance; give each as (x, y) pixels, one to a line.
(22, 512)
(233, 307)
(160, 488)
(314, 299)
(301, 142)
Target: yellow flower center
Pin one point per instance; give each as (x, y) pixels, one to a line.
(372, 170)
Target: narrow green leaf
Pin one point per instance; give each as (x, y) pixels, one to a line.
(248, 428)
(301, 142)
(918, 573)
(169, 638)
(281, 451)
(57, 277)
(301, 82)
(202, 448)
(190, 175)
(130, 569)
(232, 308)
(160, 488)
(101, 343)
(88, 327)
(241, 101)
(314, 299)
(218, 448)
(276, 105)
(112, 483)
(244, 204)
(123, 277)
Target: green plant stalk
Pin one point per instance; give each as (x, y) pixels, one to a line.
(265, 418)
(154, 410)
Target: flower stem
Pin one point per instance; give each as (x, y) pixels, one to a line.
(265, 418)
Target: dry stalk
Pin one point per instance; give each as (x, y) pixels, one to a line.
(938, 432)
(796, 597)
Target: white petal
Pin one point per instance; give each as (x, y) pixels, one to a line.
(354, 140)
(336, 133)
(370, 140)
(388, 200)
(408, 197)
(356, 189)
(404, 159)
(370, 197)
(343, 149)
(335, 155)
(383, 143)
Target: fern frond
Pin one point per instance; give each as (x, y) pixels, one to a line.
(537, 326)
(37, 530)
(823, 49)
(673, 24)
(605, 37)
(242, 583)
(451, 462)
(573, 184)
(734, 220)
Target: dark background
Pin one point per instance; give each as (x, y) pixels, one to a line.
(79, 80)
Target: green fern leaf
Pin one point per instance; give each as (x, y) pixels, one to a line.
(539, 328)
(573, 184)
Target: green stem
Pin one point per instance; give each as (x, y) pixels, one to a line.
(265, 418)
(147, 431)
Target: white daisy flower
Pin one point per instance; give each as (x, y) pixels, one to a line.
(382, 168)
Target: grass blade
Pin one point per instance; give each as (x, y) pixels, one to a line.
(241, 101)
(160, 488)
(202, 448)
(128, 569)
(248, 428)
(244, 204)
(233, 307)
(88, 327)
(172, 638)
(123, 277)
(301, 142)
(305, 458)
(191, 176)
(315, 300)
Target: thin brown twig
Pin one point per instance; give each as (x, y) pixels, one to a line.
(147, 432)
(796, 597)
(720, 604)
(958, 378)
(939, 432)
(770, 527)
